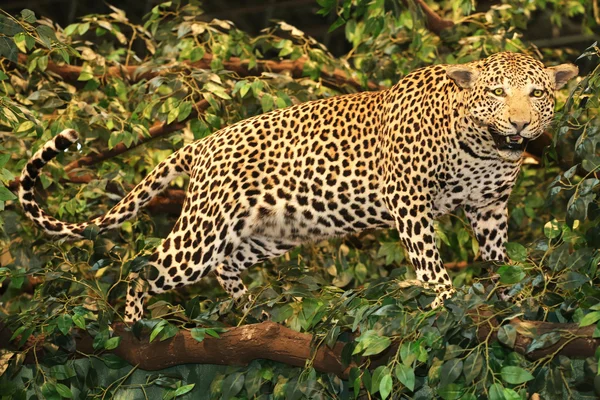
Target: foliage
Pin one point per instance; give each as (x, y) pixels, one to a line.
(344, 290)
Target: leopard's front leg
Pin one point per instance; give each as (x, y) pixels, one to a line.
(490, 226)
(414, 221)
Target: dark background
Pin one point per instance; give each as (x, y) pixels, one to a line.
(254, 15)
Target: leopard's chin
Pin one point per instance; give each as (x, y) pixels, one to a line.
(510, 155)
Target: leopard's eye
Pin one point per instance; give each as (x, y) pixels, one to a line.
(498, 92)
(537, 93)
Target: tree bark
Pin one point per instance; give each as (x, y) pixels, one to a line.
(271, 341)
(575, 342)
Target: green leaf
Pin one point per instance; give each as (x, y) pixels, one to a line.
(62, 372)
(113, 361)
(86, 73)
(83, 28)
(378, 374)
(198, 333)
(232, 385)
(20, 42)
(510, 394)
(406, 376)
(266, 102)
(450, 371)
(217, 90)
(169, 331)
(573, 280)
(49, 391)
(8, 49)
(510, 274)
(28, 16)
(64, 391)
(46, 35)
(157, 329)
(590, 319)
(79, 321)
(6, 194)
(472, 366)
(552, 229)
(515, 375)
(360, 271)
(545, 340)
(8, 26)
(4, 159)
(370, 343)
(64, 323)
(332, 335)
(185, 108)
(25, 126)
(69, 30)
(172, 115)
(112, 343)
(452, 391)
(338, 22)
(253, 381)
(496, 392)
(516, 251)
(385, 386)
(180, 391)
(507, 335)
(281, 313)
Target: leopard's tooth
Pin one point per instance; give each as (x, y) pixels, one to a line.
(507, 139)
(520, 141)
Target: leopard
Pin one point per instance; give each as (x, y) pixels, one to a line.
(445, 136)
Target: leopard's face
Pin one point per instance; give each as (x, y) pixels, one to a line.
(511, 96)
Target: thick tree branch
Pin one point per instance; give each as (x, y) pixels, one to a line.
(271, 341)
(237, 346)
(575, 342)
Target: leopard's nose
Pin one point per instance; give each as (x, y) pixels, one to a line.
(519, 124)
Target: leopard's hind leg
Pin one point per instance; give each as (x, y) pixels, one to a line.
(182, 259)
(251, 251)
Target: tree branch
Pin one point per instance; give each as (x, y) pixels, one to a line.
(435, 23)
(575, 342)
(134, 73)
(156, 131)
(271, 341)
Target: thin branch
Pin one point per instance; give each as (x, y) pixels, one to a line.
(332, 78)
(156, 131)
(435, 23)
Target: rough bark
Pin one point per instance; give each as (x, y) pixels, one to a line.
(575, 342)
(236, 346)
(271, 341)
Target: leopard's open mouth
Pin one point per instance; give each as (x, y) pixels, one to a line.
(509, 142)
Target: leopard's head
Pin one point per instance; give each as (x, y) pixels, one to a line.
(511, 96)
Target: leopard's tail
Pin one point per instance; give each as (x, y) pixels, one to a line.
(154, 183)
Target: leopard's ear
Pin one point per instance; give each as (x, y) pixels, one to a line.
(561, 74)
(463, 75)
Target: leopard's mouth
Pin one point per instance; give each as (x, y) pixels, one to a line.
(509, 142)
